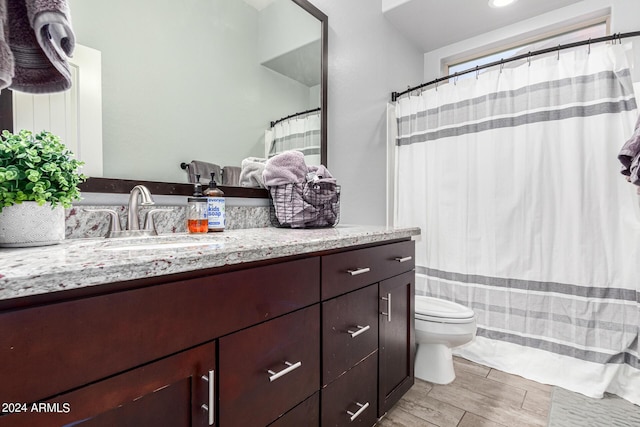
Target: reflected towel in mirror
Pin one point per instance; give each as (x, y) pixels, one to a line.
(231, 175)
(204, 169)
(251, 172)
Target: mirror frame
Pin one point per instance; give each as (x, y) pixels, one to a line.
(115, 185)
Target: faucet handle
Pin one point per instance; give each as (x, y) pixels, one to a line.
(113, 216)
(148, 219)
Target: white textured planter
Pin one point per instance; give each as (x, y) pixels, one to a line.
(28, 224)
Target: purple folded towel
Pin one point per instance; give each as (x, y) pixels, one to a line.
(6, 56)
(629, 156)
(320, 171)
(41, 39)
(285, 168)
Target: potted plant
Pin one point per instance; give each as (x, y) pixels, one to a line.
(38, 179)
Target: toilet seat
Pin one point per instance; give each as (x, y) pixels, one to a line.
(442, 311)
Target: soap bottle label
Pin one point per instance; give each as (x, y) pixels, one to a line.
(215, 213)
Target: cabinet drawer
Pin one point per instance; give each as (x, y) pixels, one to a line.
(351, 399)
(62, 342)
(266, 370)
(305, 414)
(347, 271)
(350, 330)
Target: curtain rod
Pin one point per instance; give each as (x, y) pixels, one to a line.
(294, 115)
(618, 36)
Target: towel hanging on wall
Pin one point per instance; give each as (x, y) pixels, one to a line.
(41, 39)
(629, 156)
(6, 56)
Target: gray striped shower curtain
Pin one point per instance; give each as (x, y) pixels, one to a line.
(300, 133)
(514, 180)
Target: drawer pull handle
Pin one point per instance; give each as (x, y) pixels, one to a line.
(388, 313)
(290, 367)
(210, 405)
(359, 271)
(405, 259)
(360, 330)
(356, 414)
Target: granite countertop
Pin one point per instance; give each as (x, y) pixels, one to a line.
(78, 263)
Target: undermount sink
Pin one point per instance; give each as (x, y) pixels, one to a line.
(162, 242)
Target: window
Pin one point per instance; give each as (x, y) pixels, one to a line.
(586, 31)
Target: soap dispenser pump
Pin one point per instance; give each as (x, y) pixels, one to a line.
(197, 218)
(215, 205)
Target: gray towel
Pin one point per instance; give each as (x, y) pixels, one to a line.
(204, 169)
(6, 56)
(231, 175)
(41, 39)
(629, 156)
(251, 173)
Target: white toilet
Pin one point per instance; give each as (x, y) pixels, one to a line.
(440, 326)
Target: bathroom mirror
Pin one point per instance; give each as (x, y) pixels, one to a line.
(201, 80)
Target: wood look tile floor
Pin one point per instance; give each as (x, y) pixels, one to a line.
(478, 397)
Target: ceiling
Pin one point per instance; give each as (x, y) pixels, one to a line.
(431, 24)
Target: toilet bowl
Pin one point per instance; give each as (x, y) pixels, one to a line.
(440, 326)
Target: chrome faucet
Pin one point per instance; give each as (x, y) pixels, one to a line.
(138, 192)
(138, 196)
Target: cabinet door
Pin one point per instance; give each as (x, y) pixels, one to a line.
(169, 392)
(397, 339)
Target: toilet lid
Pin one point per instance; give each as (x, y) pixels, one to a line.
(441, 308)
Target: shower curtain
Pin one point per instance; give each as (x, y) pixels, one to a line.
(300, 133)
(513, 178)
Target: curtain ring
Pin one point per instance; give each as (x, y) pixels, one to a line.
(529, 59)
(558, 52)
(589, 50)
(455, 79)
(409, 91)
(619, 38)
(501, 64)
(477, 72)
(436, 85)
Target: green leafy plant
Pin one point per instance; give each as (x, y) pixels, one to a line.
(39, 168)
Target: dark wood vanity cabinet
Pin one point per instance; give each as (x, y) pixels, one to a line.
(368, 314)
(297, 342)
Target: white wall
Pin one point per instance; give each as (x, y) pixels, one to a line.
(624, 18)
(368, 59)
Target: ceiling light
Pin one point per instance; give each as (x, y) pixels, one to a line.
(500, 3)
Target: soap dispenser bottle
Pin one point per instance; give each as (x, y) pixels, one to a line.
(197, 218)
(215, 205)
